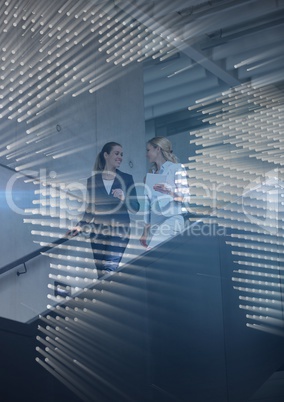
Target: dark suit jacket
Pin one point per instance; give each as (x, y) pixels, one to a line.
(106, 209)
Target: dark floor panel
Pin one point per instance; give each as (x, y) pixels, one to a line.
(272, 390)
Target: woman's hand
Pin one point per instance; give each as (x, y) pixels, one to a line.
(143, 241)
(143, 238)
(118, 193)
(73, 232)
(163, 188)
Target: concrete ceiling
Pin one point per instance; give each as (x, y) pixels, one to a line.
(217, 45)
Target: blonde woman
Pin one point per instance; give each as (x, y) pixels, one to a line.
(165, 198)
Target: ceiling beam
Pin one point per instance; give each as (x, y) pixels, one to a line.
(177, 42)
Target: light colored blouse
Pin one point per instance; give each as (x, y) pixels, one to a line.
(159, 205)
(108, 184)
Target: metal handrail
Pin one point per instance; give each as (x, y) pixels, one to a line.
(31, 255)
(35, 253)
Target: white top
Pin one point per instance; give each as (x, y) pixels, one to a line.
(108, 184)
(159, 206)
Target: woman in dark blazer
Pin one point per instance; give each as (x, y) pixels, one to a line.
(111, 195)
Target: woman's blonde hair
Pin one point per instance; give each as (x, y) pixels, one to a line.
(100, 160)
(166, 149)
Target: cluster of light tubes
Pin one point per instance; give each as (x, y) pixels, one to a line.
(64, 48)
(239, 163)
(51, 57)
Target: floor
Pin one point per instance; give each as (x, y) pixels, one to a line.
(272, 390)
